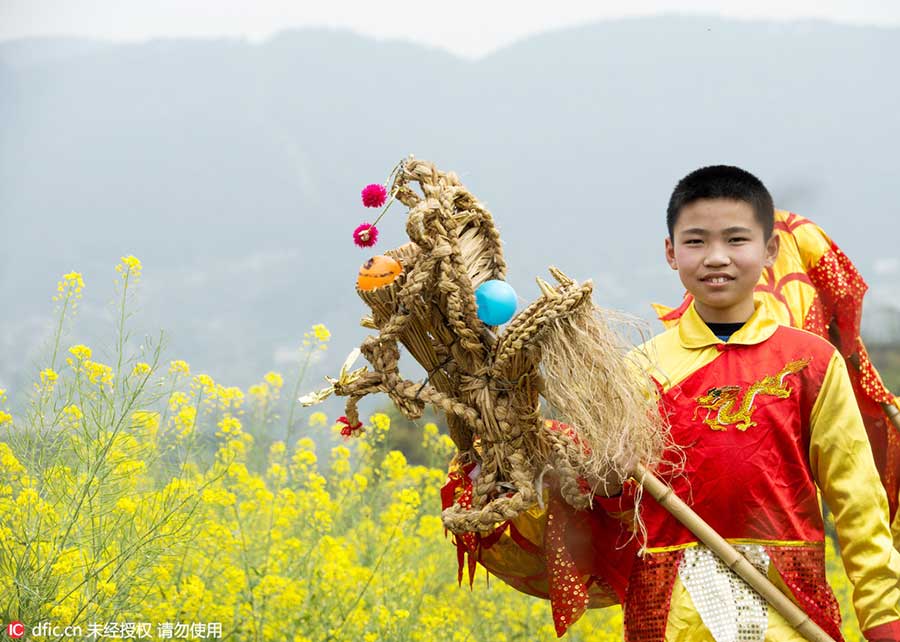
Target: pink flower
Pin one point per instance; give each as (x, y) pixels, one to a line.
(365, 235)
(374, 195)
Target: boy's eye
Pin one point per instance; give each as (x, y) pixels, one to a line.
(693, 242)
(739, 239)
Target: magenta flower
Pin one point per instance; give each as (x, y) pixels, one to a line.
(365, 235)
(374, 195)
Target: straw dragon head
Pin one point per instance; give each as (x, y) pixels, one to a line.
(489, 385)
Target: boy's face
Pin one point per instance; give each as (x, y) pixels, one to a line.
(720, 251)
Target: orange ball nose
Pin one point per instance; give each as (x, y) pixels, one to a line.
(377, 272)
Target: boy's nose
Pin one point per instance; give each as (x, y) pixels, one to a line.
(716, 258)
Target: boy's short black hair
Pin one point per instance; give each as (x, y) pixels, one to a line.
(722, 181)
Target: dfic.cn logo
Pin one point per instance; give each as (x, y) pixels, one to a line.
(15, 629)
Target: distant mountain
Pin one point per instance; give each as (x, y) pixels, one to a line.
(233, 170)
(26, 52)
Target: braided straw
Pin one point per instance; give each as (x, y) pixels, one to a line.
(490, 388)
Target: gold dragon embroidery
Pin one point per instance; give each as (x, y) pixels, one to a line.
(725, 400)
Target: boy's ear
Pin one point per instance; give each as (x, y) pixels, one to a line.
(670, 254)
(772, 247)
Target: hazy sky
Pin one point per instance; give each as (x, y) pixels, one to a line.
(466, 27)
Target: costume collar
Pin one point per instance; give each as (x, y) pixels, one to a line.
(694, 333)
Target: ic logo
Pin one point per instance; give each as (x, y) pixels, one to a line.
(15, 629)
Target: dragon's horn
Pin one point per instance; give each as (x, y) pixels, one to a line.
(546, 289)
(561, 277)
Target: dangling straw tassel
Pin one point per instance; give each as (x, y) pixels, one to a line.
(614, 415)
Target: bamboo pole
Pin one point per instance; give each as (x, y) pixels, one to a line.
(734, 560)
(893, 414)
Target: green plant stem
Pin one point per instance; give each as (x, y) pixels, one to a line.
(121, 343)
(59, 327)
(246, 566)
(300, 376)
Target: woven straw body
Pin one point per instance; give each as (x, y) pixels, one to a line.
(561, 349)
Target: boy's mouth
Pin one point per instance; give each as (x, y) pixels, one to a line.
(716, 279)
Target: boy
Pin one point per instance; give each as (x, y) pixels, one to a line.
(762, 414)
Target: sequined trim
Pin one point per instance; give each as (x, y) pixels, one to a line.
(728, 606)
(891, 480)
(815, 319)
(869, 379)
(737, 540)
(803, 572)
(649, 595)
(568, 594)
(841, 288)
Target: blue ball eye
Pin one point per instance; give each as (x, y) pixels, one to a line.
(496, 302)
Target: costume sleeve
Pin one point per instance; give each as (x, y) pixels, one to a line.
(811, 240)
(844, 469)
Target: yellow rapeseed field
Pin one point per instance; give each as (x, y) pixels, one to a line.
(136, 504)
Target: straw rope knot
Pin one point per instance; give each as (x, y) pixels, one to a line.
(480, 379)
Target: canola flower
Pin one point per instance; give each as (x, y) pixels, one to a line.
(129, 268)
(274, 380)
(230, 397)
(321, 332)
(204, 387)
(364, 560)
(318, 337)
(98, 373)
(5, 416)
(140, 369)
(69, 292)
(48, 378)
(81, 353)
(312, 347)
(72, 281)
(179, 367)
(308, 538)
(73, 415)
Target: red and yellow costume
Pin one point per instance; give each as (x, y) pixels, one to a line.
(814, 286)
(762, 420)
(761, 423)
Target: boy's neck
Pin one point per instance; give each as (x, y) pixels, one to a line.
(737, 314)
(724, 331)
